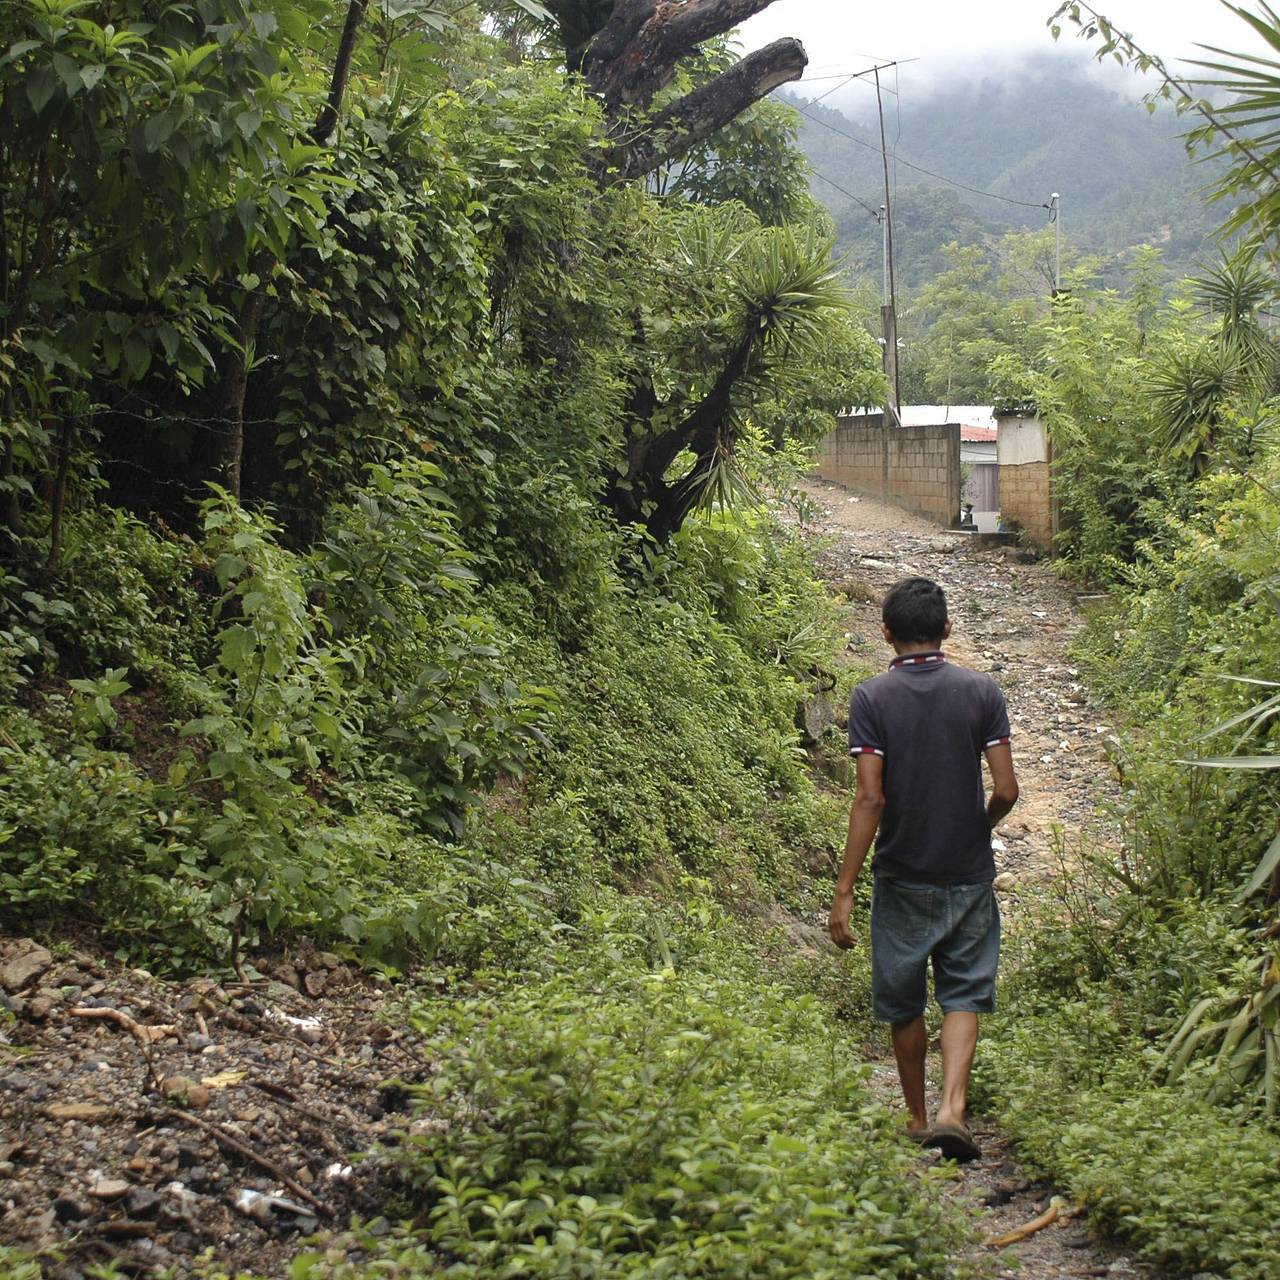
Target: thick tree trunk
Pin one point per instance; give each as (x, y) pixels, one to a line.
(630, 51)
(58, 506)
(328, 118)
(635, 54)
(691, 120)
(229, 440)
(643, 494)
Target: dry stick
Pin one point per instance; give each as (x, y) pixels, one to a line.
(251, 1155)
(1046, 1219)
(288, 1096)
(143, 1034)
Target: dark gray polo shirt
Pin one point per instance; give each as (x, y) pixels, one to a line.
(931, 721)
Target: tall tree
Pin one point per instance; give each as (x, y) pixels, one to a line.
(743, 310)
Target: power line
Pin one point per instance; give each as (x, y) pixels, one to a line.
(844, 76)
(875, 213)
(942, 177)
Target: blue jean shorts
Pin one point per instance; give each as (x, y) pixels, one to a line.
(957, 926)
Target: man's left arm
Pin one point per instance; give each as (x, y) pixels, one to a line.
(1004, 784)
(996, 736)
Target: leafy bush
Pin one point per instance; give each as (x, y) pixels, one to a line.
(438, 709)
(622, 1117)
(1190, 1184)
(675, 744)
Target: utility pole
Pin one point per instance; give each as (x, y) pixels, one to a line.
(1055, 215)
(883, 219)
(888, 312)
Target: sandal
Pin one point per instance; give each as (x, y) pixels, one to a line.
(955, 1142)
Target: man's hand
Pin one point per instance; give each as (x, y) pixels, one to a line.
(838, 921)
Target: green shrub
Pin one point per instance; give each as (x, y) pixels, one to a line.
(1192, 1185)
(620, 1116)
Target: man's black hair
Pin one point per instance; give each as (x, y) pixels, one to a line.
(915, 611)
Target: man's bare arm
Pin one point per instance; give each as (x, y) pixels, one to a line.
(1004, 783)
(864, 821)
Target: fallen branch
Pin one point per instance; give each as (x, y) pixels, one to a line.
(321, 1122)
(143, 1034)
(241, 1149)
(288, 1096)
(1046, 1219)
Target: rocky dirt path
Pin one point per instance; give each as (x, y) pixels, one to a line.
(1015, 618)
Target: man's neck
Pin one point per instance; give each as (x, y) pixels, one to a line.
(908, 650)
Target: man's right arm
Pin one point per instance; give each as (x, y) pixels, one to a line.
(864, 821)
(1004, 783)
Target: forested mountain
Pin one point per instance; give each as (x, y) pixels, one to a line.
(1021, 133)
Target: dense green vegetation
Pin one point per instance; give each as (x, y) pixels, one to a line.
(370, 573)
(384, 561)
(1137, 1058)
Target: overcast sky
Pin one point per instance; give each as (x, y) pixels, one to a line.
(842, 35)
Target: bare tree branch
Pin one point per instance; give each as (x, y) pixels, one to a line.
(698, 115)
(634, 55)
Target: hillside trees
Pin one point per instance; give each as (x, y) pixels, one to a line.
(142, 164)
(180, 253)
(481, 390)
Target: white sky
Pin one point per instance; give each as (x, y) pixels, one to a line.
(843, 35)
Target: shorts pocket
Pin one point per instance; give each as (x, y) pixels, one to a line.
(905, 912)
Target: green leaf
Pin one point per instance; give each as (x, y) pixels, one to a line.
(17, 50)
(249, 122)
(227, 566)
(42, 83)
(1236, 762)
(158, 130)
(237, 645)
(1265, 869)
(69, 72)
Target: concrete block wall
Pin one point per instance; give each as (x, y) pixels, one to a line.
(924, 465)
(1025, 455)
(1026, 495)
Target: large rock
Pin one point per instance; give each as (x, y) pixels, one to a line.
(27, 962)
(814, 716)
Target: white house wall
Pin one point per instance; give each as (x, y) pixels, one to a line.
(1020, 441)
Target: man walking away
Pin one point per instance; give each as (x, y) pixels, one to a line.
(918, 734)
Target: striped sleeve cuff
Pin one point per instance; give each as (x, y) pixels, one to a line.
(996, 742)
(865, 751)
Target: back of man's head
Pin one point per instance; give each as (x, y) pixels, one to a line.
(915, 612)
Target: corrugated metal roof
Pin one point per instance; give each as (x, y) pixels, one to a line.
(973, 416)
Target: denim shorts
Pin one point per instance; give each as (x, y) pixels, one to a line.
(957, 926)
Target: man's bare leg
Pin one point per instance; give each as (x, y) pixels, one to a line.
(959, 1040)
(909, 1045)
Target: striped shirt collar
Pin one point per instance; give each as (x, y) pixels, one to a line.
(918, 660)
